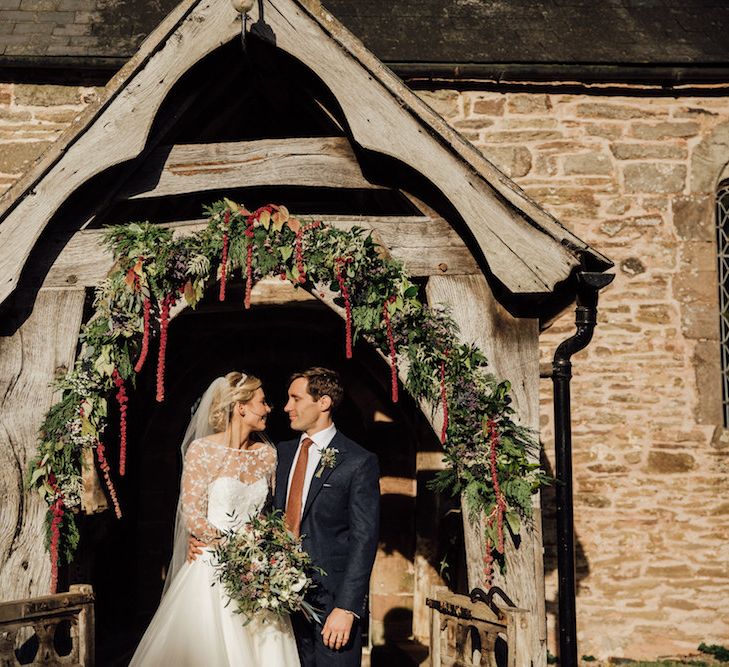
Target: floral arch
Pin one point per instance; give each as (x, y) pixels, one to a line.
(489, 458)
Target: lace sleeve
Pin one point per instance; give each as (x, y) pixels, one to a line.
(198, 473)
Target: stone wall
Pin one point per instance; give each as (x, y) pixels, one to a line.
(635, 177)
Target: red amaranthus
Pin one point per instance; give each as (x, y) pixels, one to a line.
(164, 319)
(145, 336)
(57, 510)
(339, 265)
(224, 258)
(500, 508)
(122, 400)
(444, 400)
(393, 353)
(104, 465)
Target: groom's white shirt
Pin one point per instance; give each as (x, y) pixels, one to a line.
(321, 442)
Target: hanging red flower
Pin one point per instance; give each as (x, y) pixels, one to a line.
(224, 258)
(444, 401)
(249, 255)
(104, 465)
(57, 510)
(393, 353)
(164, 320)
(145, 335)
(339, 265)
(122, 400)
(500, 508)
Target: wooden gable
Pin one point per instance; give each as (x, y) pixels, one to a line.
(381, 123)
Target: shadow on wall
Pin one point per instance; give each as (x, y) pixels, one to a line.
(398, 650)
(549, 532)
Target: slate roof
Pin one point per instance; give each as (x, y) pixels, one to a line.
(647, 32)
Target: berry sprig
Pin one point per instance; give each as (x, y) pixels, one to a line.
(147, 310)
(57, 510)
(444, 401)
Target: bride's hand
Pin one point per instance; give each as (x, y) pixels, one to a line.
(194, 548)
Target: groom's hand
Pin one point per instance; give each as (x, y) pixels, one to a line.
(337, 628)
(194, 548)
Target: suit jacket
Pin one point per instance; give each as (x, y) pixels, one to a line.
(340, 523)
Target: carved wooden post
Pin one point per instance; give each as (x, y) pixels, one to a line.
(42, 347)
(511, 346)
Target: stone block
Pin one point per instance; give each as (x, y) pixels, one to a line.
(34, 28)
(523, 136)
(72, 30)
(587, 163)
(443, 102)
(707, 367)
(654, 178)
(669, 463)
(708, 160)
(640, 151)
(656, 313)
(38, 5)
(693, 217)
(489, 107)
(9, 4)
(612, 111)
(16, 158)
(77, 5)
(665, 130)
(45, 95)
(606, 130)
(529, 103)
(514, 161)
(632, 266)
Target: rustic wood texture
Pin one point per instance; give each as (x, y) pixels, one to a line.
(112, 132)
(511, 346)
(317, 162)
(41, 616)
(516, 236)
(526, 248)
(426, 247)
(29, 360)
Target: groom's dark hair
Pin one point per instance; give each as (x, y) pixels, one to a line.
(322, 382)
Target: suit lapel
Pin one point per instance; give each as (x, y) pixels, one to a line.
(286, 453)
(317, 481)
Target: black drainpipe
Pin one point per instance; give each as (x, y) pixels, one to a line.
(589, 284)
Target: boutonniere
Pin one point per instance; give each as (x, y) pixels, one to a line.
(328, 460)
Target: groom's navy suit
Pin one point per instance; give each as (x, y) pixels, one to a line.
(340, 529)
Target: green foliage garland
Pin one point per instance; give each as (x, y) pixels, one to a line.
(489, 457)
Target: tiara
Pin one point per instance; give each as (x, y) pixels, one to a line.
(242, 381)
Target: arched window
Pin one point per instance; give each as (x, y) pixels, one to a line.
(722, 247)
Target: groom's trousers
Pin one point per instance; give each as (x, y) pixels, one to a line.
(313, 652)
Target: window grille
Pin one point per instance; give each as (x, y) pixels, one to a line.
(722, 247)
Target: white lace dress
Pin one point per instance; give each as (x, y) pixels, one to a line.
(195, 624)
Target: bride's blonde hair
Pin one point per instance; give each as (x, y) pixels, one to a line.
(238, 388)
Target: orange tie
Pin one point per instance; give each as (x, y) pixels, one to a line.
(293, 506)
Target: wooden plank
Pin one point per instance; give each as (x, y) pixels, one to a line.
(317, 162)
(43, 347)
(515, 235)
(426, 247)
(512, 348)
(115, 131)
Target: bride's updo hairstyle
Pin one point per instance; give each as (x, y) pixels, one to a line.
(237, 388)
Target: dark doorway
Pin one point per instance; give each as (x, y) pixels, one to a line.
(126, 560)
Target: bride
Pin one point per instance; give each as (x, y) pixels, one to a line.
(227, 474)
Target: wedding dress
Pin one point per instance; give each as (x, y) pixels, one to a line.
(196, 624)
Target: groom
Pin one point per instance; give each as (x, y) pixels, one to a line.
(328, 487)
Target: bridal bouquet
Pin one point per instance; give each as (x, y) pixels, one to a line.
(263, 568)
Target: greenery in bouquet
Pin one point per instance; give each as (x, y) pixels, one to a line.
(263, 568)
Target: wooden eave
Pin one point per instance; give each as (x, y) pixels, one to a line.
(525, 248)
